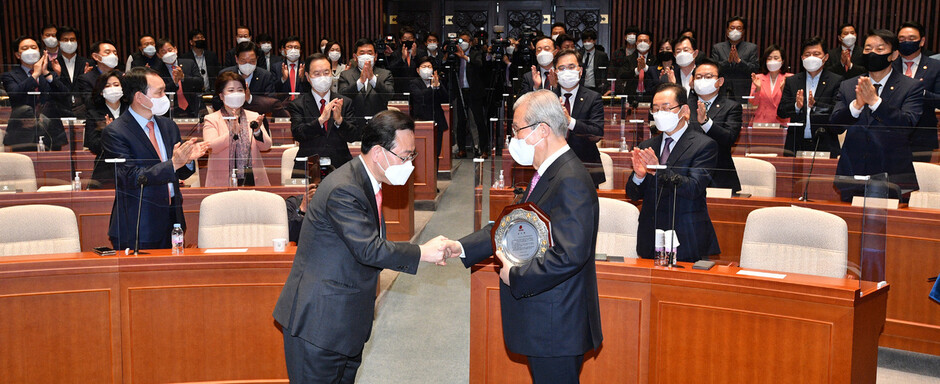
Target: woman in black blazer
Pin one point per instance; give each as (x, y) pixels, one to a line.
(107, 103)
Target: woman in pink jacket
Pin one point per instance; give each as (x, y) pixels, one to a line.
(236, 137)
(767, 87)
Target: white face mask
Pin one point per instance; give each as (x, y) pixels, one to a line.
(510, 50)
(774, 65)
(334, 55)
(234, 100)
(643, 46)
(432, 47)
(160, 105)
(545, 58)
(293, 54)
(321, 84)
(322, 48)
(110, 61)
(363, 59)
(631, 39)
(150, 50)
(69, 46)
(112, 94)
(849, 40)
(247, 68)
(588, 46)
(169, 58)
(734, 35)
(50, 41)
(242, 40)
(666, 121)
(812, 63)
(554, 36)
(705, 86)
(398, 174)
(684, 59)
(266, 47)
(569, 78)
(465, 46)
(426, 73)
(30, 56)
(522, 152)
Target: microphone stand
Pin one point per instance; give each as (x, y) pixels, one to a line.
(674, 180)
(141, 181)
(805, 197)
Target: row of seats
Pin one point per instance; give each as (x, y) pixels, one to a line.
(784, 239)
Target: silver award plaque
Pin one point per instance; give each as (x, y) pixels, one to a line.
(522, 233)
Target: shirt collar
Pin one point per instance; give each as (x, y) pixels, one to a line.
(376, 185)
(884, 80)
(710, 101)
(811, 78)
(677, 134)
(573, 92)
(317, 97)
(915, 60)
(551, 159)
(140, 119)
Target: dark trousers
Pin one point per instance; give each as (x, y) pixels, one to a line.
(308, 363)
(467, 104)
(556, 370)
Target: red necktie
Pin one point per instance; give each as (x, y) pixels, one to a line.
(640, 88)
(378, 205)
(326, 124)
(908, 71)
(293, 83)
(180, 98)
(568, 103)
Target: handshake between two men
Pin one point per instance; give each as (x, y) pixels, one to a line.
(439, 249)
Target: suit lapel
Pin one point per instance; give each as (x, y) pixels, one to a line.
(138, 132)
(579, 102)
(362, 179)
(715, 107)
(681, 146)
(890, 86)
(546, 179)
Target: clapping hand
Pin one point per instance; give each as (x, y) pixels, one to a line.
(435, 80)
(55, 66)
(865, 93)
(552, 78)
(733, 56)
(177, 74)
(641, 158)
(336, 105)
(188, 151)
(755, 80)
(536, 78)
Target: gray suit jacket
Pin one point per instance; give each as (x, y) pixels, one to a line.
(371, 100)
(737, 75)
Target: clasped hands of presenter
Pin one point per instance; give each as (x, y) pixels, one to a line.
(440, 248)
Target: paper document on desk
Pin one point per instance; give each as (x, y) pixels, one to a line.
(761, 274)
(225, 250)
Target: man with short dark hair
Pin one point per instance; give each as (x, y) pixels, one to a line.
(71, 64)
(49, 40)
(370, 88)
(848, 53)
(404, 61)
(105, 58)
(558, 29)
(585, 108)
(632, 79)
(880, 110)
(289, 70)
(542, 75)
(242, 35)
(737, 59)
(719, 118)
(468, 98)
(808, 98)
(260, 81)
(595, 62)
(689, 157)
(146, 54)
(914, 64)
(619, 58)
(328, 302)
(155, 159)
(206, 60)
(181, 76)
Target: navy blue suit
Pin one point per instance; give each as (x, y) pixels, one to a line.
(924, 138)
(690, 160)
(192, 85)
(125, 138)
(263, 82)
(588, 112)
(25, 126)
(725, 115)
(551, 307)
(878, 141)
(425, 104)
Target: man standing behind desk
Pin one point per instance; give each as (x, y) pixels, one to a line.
(328, 302)
(689, 155)
(154, 157)
(719, 118)
(369, 88)
(549, 306)
(586, 112)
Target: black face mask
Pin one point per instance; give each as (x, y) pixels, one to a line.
(875, 62)
(200, 44)
(908, 48)
(408, 43)
(665, 56)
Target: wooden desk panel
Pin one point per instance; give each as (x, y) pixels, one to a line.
(657, 320)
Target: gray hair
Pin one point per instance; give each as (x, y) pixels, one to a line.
(544, 106)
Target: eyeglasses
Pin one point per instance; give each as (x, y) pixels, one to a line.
(410, 157)
(516, 130)
(657, 108)
(707, 76)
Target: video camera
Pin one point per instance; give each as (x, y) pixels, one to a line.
(499, 43)
(382, 43)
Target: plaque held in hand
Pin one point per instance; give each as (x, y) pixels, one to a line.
(522, 233)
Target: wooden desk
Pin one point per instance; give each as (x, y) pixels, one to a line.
(93, 209)
(683, 326)
(912, 249)
(153, 318)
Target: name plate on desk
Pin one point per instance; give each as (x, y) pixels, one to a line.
(874, 202)
(811, 154)
(723, 193)
(522, 233)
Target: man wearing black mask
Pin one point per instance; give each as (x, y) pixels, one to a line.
(206, 60)
(880, 109)
(914, 64)
(404, 61)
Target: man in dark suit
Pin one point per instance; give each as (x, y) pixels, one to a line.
(549, 305)
(586, 111)
(328, 302)
(632, 78)
(737, 59)
(289, 69)
(850, 62)
(71, 64)
(719, 118)
(468, 97)
(880, 111)
(807, 99)
(33, 115)
(595, 63)
(403, 62)
(182, 77)
(260, 81)
(146, 54)
(619, 57)
(242, 35)
(206, 60)
(321, 121)
(268, 58)
(426, 94)
(916, 65)
(369, 88)
(155, 159)
(689, 156)
(105, 57)
(541, 76)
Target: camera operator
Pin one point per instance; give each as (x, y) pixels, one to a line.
(403, 62)
(466, 63)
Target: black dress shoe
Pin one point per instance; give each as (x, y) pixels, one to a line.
(476, 152)
(461, 154)
(485, 155)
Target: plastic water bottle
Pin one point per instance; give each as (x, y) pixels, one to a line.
(177, 239)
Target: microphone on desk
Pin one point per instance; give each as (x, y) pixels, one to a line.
(141, 181)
